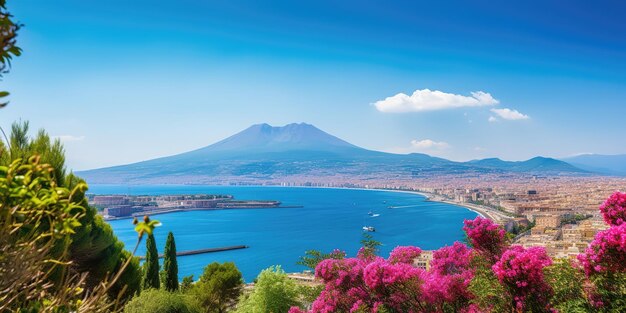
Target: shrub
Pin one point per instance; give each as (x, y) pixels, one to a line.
(161, 301)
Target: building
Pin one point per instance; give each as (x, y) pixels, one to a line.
(423, 260)
(102, 201)
(119, 211)
(552, 221)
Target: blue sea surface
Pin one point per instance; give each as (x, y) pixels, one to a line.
(328, 219)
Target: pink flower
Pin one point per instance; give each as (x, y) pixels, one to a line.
(614, 209)
(607, 252)
(404, 254)
(486, 237)
(521, 272)
(453, 259)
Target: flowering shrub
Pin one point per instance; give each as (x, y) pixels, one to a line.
(404, 254)
(486, 237)
(607, 252)
(521, 272)
(451, 274)
(614, 209)
(491, 276)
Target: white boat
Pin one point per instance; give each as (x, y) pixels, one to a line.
(369, 228)
(375, 215)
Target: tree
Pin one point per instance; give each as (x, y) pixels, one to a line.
(93, 248)
(273, 292)
(369, 246)
(8, 43)
(219, 287)
(161, 301)
(170, 266)
(37, 222)
(151, 266)
(313, 257)
(565, 280)
(187, 283)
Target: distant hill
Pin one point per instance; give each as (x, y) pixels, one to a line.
(264, 152)
(536, 164)
(605, 164)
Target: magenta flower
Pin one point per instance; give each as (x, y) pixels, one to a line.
(404, 254)
(614, 209)
(520, 270)
(487, 238)
(607, 252)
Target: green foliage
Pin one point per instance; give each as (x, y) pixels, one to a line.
(151, 265)
(93, 249)
(273, 292)
(161, 301)
(370, 246)
(8, 44)
(313, 257)
(567, 285)
(187, 283)
(219, 287)
(37, 219)
(170, 266)
(610, 288)
(488, 293)
(308, 294)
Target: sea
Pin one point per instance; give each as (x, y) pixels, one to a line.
(314, 219)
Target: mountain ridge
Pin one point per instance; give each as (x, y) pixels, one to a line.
(608, 164)
(265, 152)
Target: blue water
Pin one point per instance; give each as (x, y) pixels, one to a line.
(329, 219)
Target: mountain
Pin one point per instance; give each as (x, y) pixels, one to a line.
(605, 164)
(264, 153)
(536, 164)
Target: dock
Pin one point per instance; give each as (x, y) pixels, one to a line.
(202, 251)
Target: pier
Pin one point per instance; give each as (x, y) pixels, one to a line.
(201, 251)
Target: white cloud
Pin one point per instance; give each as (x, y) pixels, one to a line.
(428, 144)
(68, 138)
(509, 114)
(492, 119)
(431, 100)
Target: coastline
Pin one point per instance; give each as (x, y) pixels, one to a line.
(482, 211)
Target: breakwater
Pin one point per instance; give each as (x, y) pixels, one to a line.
(202, 251)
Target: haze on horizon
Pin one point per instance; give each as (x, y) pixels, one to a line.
(126, 81)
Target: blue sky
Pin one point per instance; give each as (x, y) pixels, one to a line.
(124, 81)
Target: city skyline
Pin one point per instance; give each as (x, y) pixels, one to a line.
(120, 84)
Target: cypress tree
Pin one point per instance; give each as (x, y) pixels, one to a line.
(151, 267)
(170, 265)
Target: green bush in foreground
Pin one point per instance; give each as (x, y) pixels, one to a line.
(160, 301)
(274, 291)
(219, 287)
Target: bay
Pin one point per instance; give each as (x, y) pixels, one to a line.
(328, 219)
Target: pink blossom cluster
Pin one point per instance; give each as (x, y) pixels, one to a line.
(486, 237)
(404, 254)
(614, 209)
(369, 283)
(450, 274)
(520, 270)
(607, 252)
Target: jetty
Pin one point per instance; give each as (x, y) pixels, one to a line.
(202, 251)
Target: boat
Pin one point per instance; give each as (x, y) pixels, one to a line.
(369, 228)
(375, 215)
